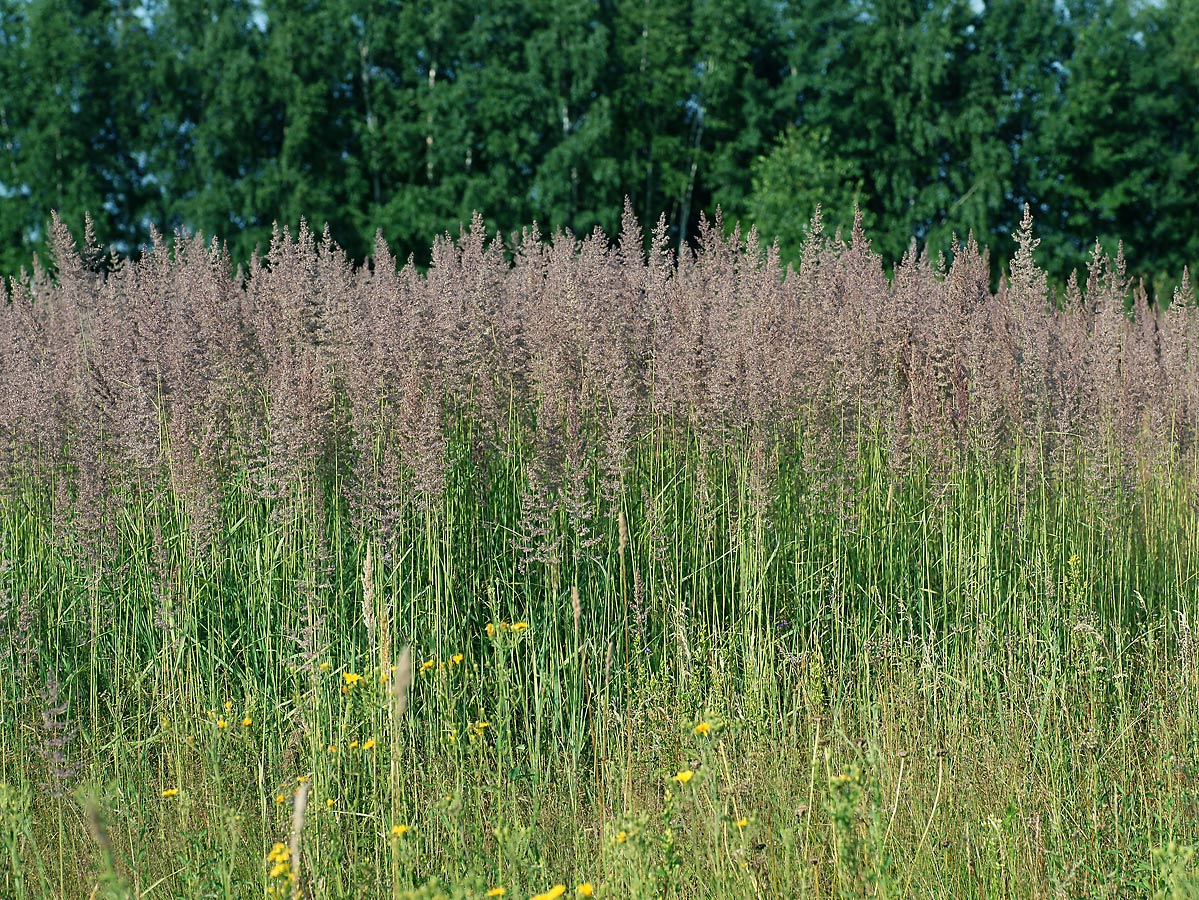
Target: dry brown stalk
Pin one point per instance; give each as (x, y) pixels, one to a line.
(297, 829)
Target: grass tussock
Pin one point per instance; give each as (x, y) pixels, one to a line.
(706, 581)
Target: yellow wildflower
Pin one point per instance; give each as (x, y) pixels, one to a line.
(552, 894)
(350, 678)
(427, 665)
(228, 706)
(330, 802)
(703, 728)
(495, 891)
(519, 626)
(280, 798)
(399, 830)
(457, 658)
(326, 666)
(353, 745)
(742, 822)
(281, 858)
(491, 633)
(369, 745)
(621, 837)
(221, 723)
(170, 792)
(247, 722)
(684, 776)
(586, 889)
(332, 748)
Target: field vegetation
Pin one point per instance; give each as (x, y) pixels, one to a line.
(568, 567)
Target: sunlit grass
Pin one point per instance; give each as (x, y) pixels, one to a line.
(973, 684)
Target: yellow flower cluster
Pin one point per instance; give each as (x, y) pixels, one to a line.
(516, 627)
(399, 831)
(552, 894)
(224, 721)
(432, 663)
(280, 860)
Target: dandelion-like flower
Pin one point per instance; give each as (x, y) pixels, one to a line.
(280, 798)
(552, 894)
(519, 626)
(703, 728)
(742, 822)
(496, 892)
(247, 722)
(586, 889)
(683, 777)
(399, 830)
(350, 678)
(369, 745)
(170, 792)
(457, 658)
(280, 858)
(491, 633)
(221, 723)
(427, 665)
(621, 837)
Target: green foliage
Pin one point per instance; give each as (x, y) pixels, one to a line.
(801, 173)
(939, 118)
(969, 695)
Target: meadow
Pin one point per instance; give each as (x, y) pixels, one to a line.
(569, 568)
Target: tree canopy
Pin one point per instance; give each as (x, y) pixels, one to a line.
(938, 117)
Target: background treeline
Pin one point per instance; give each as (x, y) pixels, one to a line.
(937, 117)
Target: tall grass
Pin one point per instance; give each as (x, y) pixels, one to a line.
(712, 582)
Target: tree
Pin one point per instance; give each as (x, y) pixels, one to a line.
(67, 113)
(800, 173)
(1123, 154)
